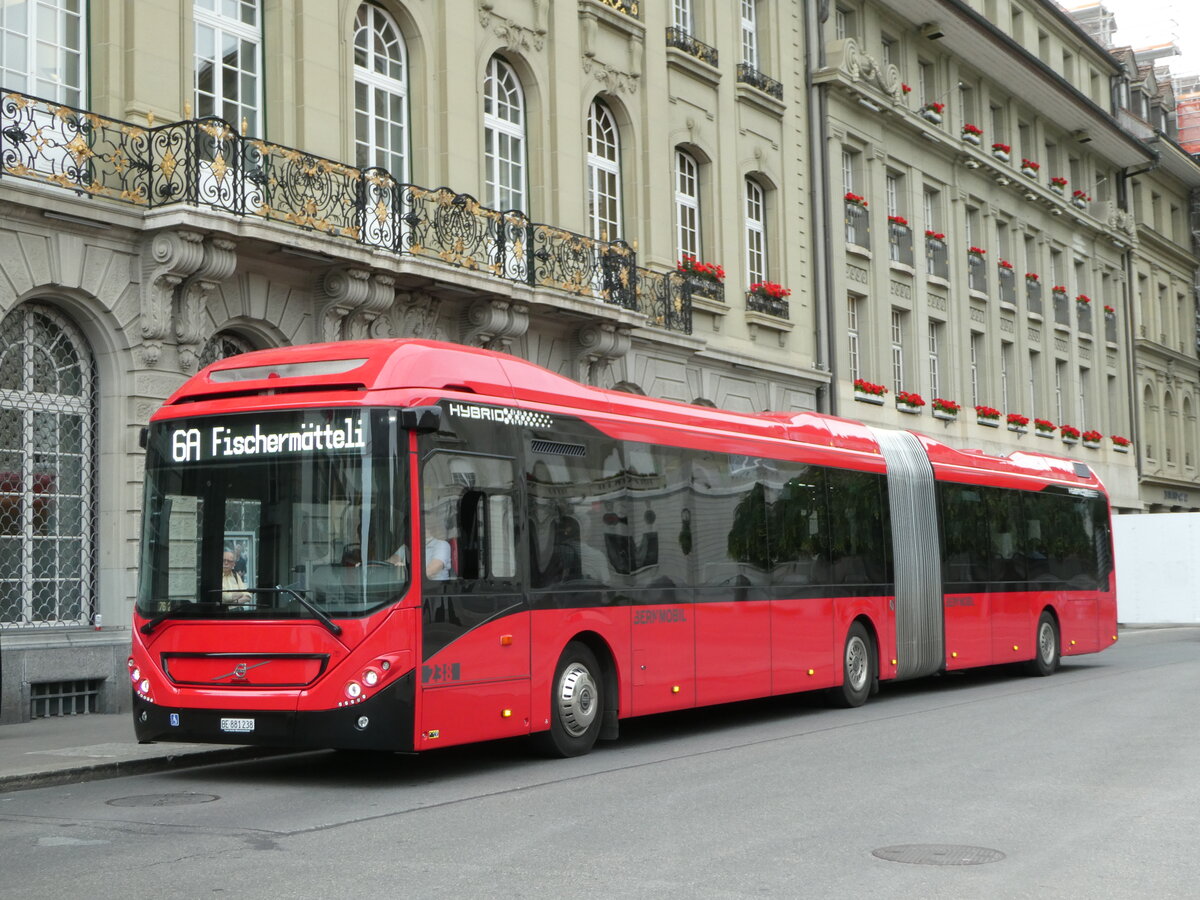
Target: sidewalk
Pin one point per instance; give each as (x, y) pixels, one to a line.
(71, 749)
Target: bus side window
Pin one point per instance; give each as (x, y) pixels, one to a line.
(468, 505)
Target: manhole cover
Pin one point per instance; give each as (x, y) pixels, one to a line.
(938, 854)
(163, 800)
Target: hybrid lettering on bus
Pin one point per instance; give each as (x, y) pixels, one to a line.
(437, 544)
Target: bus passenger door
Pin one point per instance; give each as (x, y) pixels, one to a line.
(647, 547)
(474, 671)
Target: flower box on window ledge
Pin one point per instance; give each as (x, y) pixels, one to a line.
(946, 410)
(1069, 434)
(1002, 152)
(1092, 439)
(1044, 428)
(867, 392)
(1030, 168)
(1018, 423)
(1120, 444)
(702, 279)
(932, 112)
(768, 297)
(987, 415)
(1058, 184)
(908, 402)
(972, 134)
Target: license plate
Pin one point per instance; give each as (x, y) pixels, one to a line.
(237, 726)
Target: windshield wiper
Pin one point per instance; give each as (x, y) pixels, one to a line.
(180, 612)
(189, 609)
(319, 613)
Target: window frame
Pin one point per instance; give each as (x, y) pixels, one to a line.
(754, 224)
(251, 112)
(368, 151)
(603, 171)
(504, 195)
(688, 235)
(24, 76)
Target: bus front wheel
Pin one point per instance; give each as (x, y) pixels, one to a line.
(1047, 649)
(576, 703)
(858, 669)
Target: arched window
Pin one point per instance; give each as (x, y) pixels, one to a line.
(604, 173)
(380, 93)
(222, 346)
(1169, 419)
(504, 136)
(43, 49)
(687, 204)
(1187, 434)
(1149, 424)
(228, 60)
(756, 232)
(47, 438)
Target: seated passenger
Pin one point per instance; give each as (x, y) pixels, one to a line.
(233, 587)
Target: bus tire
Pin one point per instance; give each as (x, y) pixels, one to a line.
(858, 670)
(1047, 648)
(576, 703)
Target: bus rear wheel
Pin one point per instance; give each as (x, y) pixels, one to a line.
(858, 670)
(576, 703)
(1047, 648)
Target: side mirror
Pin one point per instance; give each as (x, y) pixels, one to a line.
(421, 419)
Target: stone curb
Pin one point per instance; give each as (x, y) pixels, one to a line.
(124, 767)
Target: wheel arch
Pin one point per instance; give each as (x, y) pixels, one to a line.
(607, 659)
(877, 644)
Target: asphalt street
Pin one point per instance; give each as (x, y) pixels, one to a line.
(990, 784)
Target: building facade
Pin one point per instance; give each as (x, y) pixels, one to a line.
(187, 179)
(1018, 239)
(746, 203)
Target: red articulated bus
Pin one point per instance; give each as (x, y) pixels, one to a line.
(435, 545)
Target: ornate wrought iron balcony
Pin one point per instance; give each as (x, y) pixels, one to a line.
(206, 163)
(747, 74)
(680, 39)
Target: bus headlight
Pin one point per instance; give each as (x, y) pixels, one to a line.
(371, 677)
(354, 690)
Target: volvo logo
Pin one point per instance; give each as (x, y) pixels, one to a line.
(240, 670)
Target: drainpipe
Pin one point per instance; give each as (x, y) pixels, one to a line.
(822, 267)
(1124, 189)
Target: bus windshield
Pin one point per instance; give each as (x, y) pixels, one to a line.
(299, 514)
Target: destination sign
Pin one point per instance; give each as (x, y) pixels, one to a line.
(256, 439)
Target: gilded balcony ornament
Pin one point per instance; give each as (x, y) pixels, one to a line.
(219, 168)
(79, 149)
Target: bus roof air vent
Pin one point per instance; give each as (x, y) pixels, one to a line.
(1083, 470)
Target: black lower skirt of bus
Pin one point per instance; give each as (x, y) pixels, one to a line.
(388, 715)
